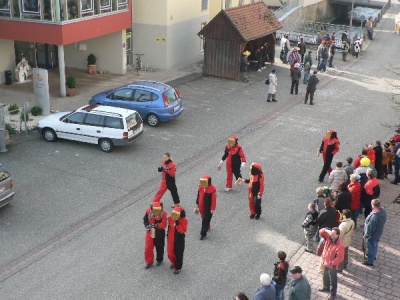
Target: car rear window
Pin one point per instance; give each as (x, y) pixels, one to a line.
(132, 120)
(3, 174)
(113, 122)
(171, 95)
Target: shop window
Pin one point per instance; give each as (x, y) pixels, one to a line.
(4, 5)
(31, 6)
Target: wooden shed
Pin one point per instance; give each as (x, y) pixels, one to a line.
(233, 31)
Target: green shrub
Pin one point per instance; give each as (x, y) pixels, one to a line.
(71, 81)
(11, 129)
(36, 111)
(24, 116)
(91, 59)
(13, 109)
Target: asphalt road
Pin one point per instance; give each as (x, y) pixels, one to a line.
(83, 208)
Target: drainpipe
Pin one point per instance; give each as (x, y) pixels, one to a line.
(61, 68)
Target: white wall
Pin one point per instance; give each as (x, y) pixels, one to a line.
(7, 58)
(166, 31)
(111, 56)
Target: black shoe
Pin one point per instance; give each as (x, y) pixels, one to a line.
(324, 290)
(394, 182)
(257, 217)
(311, 103)
(202, 237)
(158, 263)
(176, 271)
(366, 263)
(252, 216)
(305, 101)
(309, 251)
(274, 100)
(147, 267)
(268, 100)
(331, 297)
(320, 180)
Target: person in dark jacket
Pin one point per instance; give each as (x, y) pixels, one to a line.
(373, 230)
(327, 216)
(280, 275)
(302, 49)
(300, 289)
(295, 74)
(343, 198)
(378, 159)
(311, 87)
(244, 64)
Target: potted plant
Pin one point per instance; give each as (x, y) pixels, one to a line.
(91, 60)
(71, 85)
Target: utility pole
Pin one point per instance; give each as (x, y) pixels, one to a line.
(351, 22)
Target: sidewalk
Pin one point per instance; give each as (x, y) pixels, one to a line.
(362, 282)
(359, 281)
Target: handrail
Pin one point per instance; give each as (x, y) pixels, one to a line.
(286, 8)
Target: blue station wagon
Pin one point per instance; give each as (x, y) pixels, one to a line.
(155, 101)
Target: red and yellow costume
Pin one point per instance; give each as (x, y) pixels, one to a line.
(168, 170)
(155, 221)
(329, 147)
(256, 190)
(235, 160)
(177, 227)
(206, 203)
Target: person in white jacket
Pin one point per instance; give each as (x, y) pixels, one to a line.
(346, 231)
(337, 176)
(273, 83)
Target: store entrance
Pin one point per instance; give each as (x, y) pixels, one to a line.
(38, 55)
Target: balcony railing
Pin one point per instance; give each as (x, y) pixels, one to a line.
(58, 10)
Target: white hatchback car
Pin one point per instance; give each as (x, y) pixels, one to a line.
(95, 124)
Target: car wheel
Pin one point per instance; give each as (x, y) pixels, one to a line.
(49, 135)
(106, 145)
(153, 120)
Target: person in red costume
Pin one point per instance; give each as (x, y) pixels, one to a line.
(329, 147)
(256, 189)
(235, 160)
(206, 203)
(168, 170)
(177, 227)
(155, 221)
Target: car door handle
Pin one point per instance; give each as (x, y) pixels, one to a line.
(78, 129)
(98, 131)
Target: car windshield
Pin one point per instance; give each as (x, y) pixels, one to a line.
(171, 95)
(3, 174)
(131, 120)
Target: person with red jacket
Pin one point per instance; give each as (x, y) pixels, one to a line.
(329, 147)
(155, 221)
(371, 154)
(256, 189)
(177, 227)
(206, 203)
(332, 256)
(235, 160)
(168, 170)
(363, 154)
(355, 190)
(372, 191)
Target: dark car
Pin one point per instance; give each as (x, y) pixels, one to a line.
(6, 187)
(155, 101)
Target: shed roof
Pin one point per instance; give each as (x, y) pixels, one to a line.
(252, 21)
